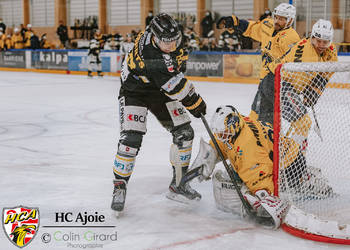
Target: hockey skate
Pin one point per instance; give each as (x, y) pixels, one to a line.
(119, 193)
(182, 193)
(89, 74)
(314, 185)
(99, 74)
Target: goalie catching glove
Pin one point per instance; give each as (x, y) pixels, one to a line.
(206, 160)
(267, 205)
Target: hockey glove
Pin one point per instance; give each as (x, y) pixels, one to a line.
(227, 22)
(206, 159)
(195, 105)
(267, 205)
(313, 91)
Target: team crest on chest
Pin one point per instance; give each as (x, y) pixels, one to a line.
(168, 62)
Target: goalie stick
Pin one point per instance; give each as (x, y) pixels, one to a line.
(266, 221)
(317, 127)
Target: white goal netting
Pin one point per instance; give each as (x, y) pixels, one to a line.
(312, 121)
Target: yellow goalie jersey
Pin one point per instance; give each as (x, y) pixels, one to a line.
(251, 154)
(273, 44)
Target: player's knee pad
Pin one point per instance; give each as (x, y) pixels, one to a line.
(225, 194)
(183, 136)
(131, 139)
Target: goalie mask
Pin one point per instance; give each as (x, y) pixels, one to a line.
(166, 32)
(226, 123)
(285, 10)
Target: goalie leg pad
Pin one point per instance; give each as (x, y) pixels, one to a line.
(225, 195)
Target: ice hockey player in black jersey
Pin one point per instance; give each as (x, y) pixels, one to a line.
(152, 79)
(94, 60)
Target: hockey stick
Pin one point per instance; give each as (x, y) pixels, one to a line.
(248, 208)
(317, 127)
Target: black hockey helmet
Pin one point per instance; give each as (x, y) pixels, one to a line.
(165, 29)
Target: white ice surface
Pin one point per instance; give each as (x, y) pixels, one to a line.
(58, 137)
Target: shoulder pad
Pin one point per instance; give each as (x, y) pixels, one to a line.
(267, 23)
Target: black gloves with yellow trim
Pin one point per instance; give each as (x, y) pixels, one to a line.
(227, 22)
(195, 105)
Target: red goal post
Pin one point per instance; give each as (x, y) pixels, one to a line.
(312, 149)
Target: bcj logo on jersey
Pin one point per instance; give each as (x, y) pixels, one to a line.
(136, 118)
(20, 224)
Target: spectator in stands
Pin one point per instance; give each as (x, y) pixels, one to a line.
(34, 41)
(3, 26)
(126, 45)
(191, 39)
(209, 42)
(44, 44)
(117, 40)
(205, 44)
(8, 42)
(213, 44)
(149, 17)
(62, 33)
(230, 40)
(2, 40)
(207, 24)
(27, 36)
(22, 30)
(267, 14)
(17, 40)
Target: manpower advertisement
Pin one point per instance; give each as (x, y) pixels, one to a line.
(226, 66)
(205, 65)
(229, 67)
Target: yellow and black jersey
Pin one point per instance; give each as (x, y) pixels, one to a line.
(27, 35)
(273, 44)
(304, 51)
(17, 41)
(2, 41)
(99, 38)
(251, 154)
(147, 68)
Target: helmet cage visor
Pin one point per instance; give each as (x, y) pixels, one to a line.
(173, 42)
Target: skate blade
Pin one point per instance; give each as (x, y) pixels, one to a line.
(118, 214)
(181, 199)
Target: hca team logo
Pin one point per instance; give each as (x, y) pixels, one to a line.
(20, 224)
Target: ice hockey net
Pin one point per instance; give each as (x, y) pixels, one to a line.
(312, 149)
